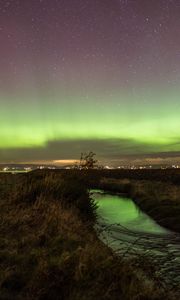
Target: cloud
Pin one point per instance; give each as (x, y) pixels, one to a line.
(114, 150)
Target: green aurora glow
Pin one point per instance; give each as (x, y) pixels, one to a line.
(142, 120)
(89, 75)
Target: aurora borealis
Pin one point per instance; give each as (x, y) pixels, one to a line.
(81, 75)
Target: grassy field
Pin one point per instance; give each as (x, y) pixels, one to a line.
(49, 249)
(163, 175)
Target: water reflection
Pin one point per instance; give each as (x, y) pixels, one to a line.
(116, 209)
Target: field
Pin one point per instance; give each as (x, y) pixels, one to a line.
(48, 246)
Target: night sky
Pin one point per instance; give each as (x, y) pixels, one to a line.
(90, 75)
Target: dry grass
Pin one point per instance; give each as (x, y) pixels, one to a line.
(160, 200)
(49, 251)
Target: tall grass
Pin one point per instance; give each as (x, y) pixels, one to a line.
(69, 190)
(49, 250)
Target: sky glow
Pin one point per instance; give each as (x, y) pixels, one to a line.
(101, 76)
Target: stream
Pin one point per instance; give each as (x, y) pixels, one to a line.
(132, 233)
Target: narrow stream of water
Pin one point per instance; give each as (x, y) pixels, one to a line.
(115, 209)
(131, 232)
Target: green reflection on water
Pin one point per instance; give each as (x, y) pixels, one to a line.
(115, 209)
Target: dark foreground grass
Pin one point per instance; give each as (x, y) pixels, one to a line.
(49, 250)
